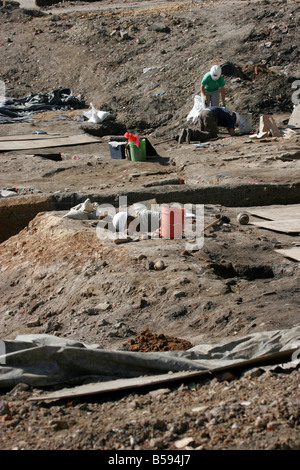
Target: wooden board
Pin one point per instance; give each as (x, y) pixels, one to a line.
(45, 143)
(284, 225)
(281, 212)
(293, 253)
(115, 385)
(9, 138)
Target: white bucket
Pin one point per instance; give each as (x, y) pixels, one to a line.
(245, 123)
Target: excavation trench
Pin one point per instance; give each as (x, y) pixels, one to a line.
(16, 212)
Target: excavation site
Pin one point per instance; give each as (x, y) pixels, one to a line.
(150, 222)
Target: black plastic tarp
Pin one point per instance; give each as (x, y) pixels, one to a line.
(18, 109)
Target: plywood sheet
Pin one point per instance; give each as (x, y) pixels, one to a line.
(280, 212)
(293, 253)
(284, 225)
(10, 138)
(46, 143)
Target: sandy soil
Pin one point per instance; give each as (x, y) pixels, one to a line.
(58, 277)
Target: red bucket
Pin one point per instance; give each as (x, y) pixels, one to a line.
(172, 222)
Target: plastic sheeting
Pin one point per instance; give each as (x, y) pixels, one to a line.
(44, 360)
(19, 109)
(199, 105)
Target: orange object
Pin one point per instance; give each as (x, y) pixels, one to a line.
(132, 138)
(172, 222)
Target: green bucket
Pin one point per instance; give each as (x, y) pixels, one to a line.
(138, 154)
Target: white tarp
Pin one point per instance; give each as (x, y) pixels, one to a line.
(43, 360)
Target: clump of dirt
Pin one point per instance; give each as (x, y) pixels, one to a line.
(148, 341)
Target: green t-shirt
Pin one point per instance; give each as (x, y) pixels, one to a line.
(210, 84)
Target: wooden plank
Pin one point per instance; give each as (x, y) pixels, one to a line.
(284, 225)
(281, 212)
(114, 385)
(46, 143)
(10, 138)
(293, 253)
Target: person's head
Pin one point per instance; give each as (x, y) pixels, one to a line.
(235, 117)
(121, 221)
(215, 72)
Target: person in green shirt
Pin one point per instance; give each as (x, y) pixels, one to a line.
(212, 85)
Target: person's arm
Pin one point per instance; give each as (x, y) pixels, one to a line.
(231, 131)
(203, 90)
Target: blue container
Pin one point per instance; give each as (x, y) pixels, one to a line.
(117, 149)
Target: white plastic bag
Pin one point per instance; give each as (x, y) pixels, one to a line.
(83, 211)
(197, 108)
(94, 115)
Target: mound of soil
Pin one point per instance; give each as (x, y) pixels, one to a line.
(148, 341)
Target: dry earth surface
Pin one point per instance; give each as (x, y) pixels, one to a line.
(143, 62)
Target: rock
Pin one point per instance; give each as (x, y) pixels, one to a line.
(103, 307)
(226, 376)
(141, 303)
(178, 294)
(186, 253)
(200, 409)
(124, 35)
(176, 311)
(182, 443)
(19, 388)
(156, 443)
(33, 324)
(4, 408)
(159, 392)
(252, 373)
(159, 27)
(133, 404)
(150, 265)
(101, 264)
(272, 425)
(159, 265)
(260, 422)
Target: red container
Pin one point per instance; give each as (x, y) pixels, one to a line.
(172, 222)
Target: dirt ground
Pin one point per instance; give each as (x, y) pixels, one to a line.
(143, 62)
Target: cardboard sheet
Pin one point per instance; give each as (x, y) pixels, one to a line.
(284, 225)
(280, 212)
(45, 143)
(295, 117)
(293, 253)
(267, 124)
